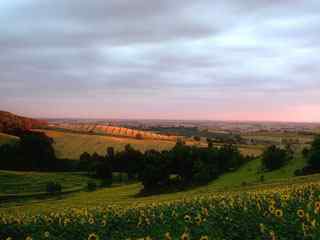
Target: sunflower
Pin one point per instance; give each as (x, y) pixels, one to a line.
(279, 213)
(317, 206)
(91, 221)
(204, 238)
(187, 218)
(93, 236)
(46, 234)
(167, 236)
(271, 209)
(185, 236)
(300, 213)
(262, 227)
(28, 238)
(103, 222)
(198, 220)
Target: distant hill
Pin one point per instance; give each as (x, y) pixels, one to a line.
(7, 139)
(14, 124)
(111, 131)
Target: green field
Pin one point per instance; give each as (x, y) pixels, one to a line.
(5, 138)
(13, 182)
(127, 194)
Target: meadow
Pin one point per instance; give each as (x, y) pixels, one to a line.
(15, 183)
(275, 211)
(238, 205)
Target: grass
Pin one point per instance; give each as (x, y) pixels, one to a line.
(251, 172)
(35, 182)
(7, 139)
(72, 145)
(127, 195)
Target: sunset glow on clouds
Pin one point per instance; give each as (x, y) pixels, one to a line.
(227, 60)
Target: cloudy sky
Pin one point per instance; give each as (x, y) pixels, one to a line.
(181, 59)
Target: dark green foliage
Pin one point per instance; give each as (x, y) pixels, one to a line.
(91, 185)
(274, 158)
(197, 138)
(155, 171)
(313, 155)
(33, 152)
(190, 164)
(53, 187)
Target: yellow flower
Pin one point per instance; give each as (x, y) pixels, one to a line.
(93, 236)
(167, 236)
(204, 238)
(279, 213)
(9, 238)
(272, 235)
(103, 222)
(198, 220)
(317, 207)
(148, 238)
(28, 238)
(187, 218)
(271, 209)
(46, 234)
(300, 213)
(91, 221)
(185, 236)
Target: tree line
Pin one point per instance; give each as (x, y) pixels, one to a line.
(183, 165)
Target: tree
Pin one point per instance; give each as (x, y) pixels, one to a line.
(314, 154)
(274, 158)
(210, 142)
(182, 161)
(155, 171)
(132, 161)
(86, 162)
(197, 138)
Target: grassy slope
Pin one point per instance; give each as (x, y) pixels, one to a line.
(250, 173)
(5, 138)
(72, 145)
(35, 182)
(126, 195)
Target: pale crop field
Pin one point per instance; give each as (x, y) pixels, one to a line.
(72, 145)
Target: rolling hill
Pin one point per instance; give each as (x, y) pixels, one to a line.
(111, 131)
(13, 124)
(7, 139)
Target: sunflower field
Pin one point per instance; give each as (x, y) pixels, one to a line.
(286, 212)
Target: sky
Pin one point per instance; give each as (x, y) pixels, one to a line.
(182, 59)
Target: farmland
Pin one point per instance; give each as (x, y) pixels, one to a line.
(13, 182)
(283, 209)
(5, 138)
(111, 131)
(72, 145)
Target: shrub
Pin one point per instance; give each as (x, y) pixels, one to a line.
(53, 187)
(106, 183)
(91, 185)
(314, 154)
(274, 158)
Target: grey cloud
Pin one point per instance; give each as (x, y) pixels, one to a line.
(82, 49)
